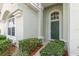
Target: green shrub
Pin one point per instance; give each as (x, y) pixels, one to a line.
(4, 44)
(55, 48)
(27, 45)
(2, 37)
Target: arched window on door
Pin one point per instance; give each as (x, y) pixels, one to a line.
(54, 15)
(11, 26)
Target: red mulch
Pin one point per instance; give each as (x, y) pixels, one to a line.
(66, 53)
(35, 50)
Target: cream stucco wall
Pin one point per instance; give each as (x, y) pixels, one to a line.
(30, 21)
(19, 27)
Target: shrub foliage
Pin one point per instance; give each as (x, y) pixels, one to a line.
(2, 37)
(4, 44)
(55, 48)
(28, 45)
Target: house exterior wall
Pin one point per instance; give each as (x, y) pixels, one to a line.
(18, 21)
(19, 27)
(1, 28)
(30, 22)
(46, 19)
(27, 24)
(74, 29)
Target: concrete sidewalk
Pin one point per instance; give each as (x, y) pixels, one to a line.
(38, 52)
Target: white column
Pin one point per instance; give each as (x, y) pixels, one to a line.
(66, 25)
(71, 27)
(65, 21)
(74, 29)
(40, 23)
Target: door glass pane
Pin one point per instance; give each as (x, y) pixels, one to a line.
(55, 30)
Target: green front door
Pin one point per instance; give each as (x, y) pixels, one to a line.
(55, 30)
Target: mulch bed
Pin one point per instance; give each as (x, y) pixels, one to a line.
(10, 50)
(65, 53)
(35, 50)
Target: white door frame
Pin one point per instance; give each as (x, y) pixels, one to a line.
(60, 23)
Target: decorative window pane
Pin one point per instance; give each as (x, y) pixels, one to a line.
(51, 18)
(55, 15)
(52, 14)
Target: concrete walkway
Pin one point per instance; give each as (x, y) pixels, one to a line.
(38, 52)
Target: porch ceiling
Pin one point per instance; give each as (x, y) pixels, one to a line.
(47, 4)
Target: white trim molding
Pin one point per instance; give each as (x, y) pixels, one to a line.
(60, 23)
(17, 12)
